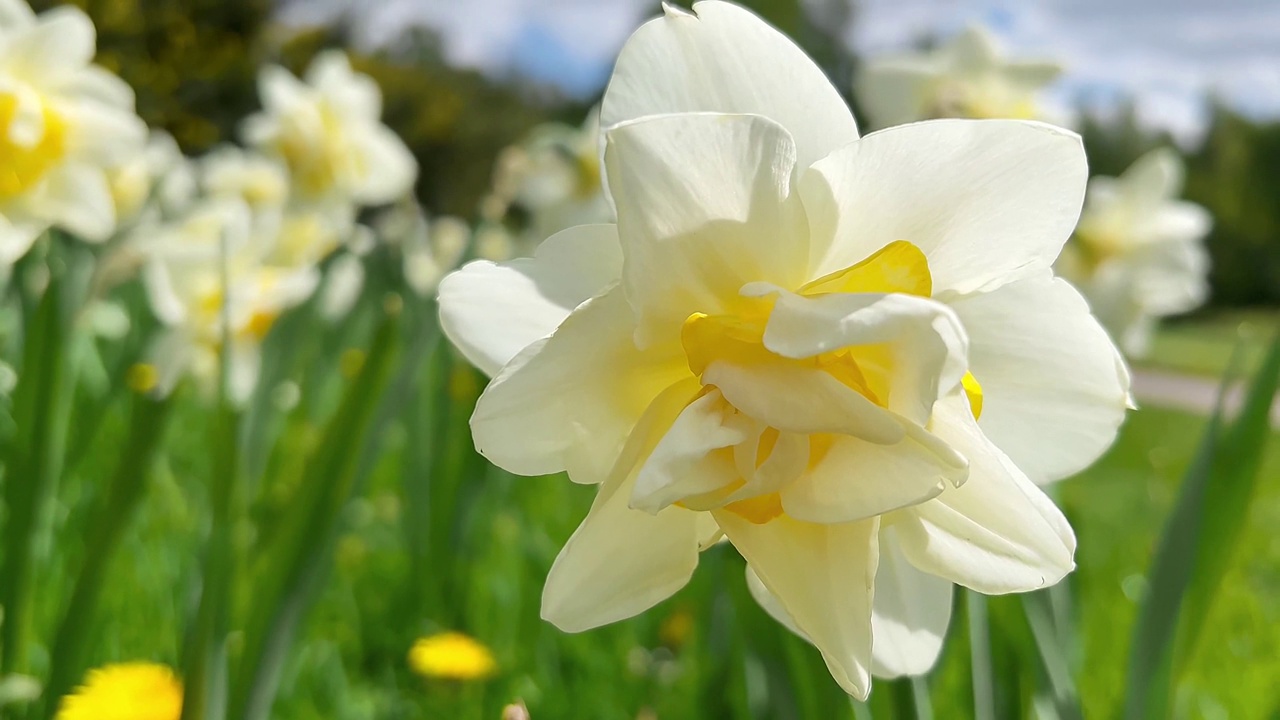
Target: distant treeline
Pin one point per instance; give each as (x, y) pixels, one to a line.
(193, 64)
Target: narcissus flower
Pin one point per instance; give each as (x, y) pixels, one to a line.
(451, 656)
(129, 691)
(1138, 253)
(207, 278)
(966, 77)
(848, 356)
(554, 178)
(327, 130)
(64, 123)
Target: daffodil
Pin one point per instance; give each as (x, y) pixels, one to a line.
(451, 656)
(1138, 253)
(966, 77)
(208, 280)
(159, 174)
(127, 691)
(64, 123)
(846, 355)
(327, 130)
(554, 178)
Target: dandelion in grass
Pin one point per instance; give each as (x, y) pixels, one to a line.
(553, 180)
(128, 691)
(64, 123)
(966, 77)
(848, 355)
(1138, 253)
(451, 656)
(326, 128)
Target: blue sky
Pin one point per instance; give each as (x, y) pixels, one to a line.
(1165, 54)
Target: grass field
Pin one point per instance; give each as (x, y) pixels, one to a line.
(440, 541)
(1202, 345)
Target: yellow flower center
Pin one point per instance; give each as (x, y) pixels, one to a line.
(130, 691)
(315, 161)
(23, 164)
(451, 656)
(899, 267)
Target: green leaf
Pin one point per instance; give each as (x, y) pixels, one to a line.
(106, 527)
(33, 464)
(297, 567)
(984, 702)
(1227, 501)
(1195, 547)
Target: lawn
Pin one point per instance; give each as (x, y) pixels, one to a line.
(1202, 344)
(441, 541)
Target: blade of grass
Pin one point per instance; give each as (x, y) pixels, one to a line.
(310, 532)
(106, 527)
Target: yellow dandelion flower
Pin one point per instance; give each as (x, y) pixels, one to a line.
(127, 691)
(451, 656)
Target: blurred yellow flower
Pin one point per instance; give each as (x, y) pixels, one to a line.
(127, 691)
(451, 656)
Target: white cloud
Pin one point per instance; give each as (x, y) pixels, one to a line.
(1166, 54)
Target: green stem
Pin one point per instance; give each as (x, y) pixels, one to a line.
(984, 706)
(33, 464)
(106, 527)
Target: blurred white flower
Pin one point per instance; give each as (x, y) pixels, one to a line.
(428, 248)
(64, 123)
(327, 131)
(159, 173)
(1138, 253)
(343, 281)
(847, 355)
(206, 278)
(230, 171)
(966, 77)
(553, 177)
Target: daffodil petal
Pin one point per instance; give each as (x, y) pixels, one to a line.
(926, 340)
(986, 200)
(683, 462)
(723, 58)
(703, 208)
(822, 575)
(802, 400)
(910, 614)
(998, 533)
(568, 401)
(856, 479)
(492, 311)
(1054, 389)
(621, 561)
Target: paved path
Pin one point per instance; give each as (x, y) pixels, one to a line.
(1165, 389)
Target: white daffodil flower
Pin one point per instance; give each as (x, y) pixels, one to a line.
(261, 181)
(64, 122)
(159, 173)
(967, 77)
(1138, 253)
(206, 278)
(327, 131)
(554, 177)
(847, 355)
